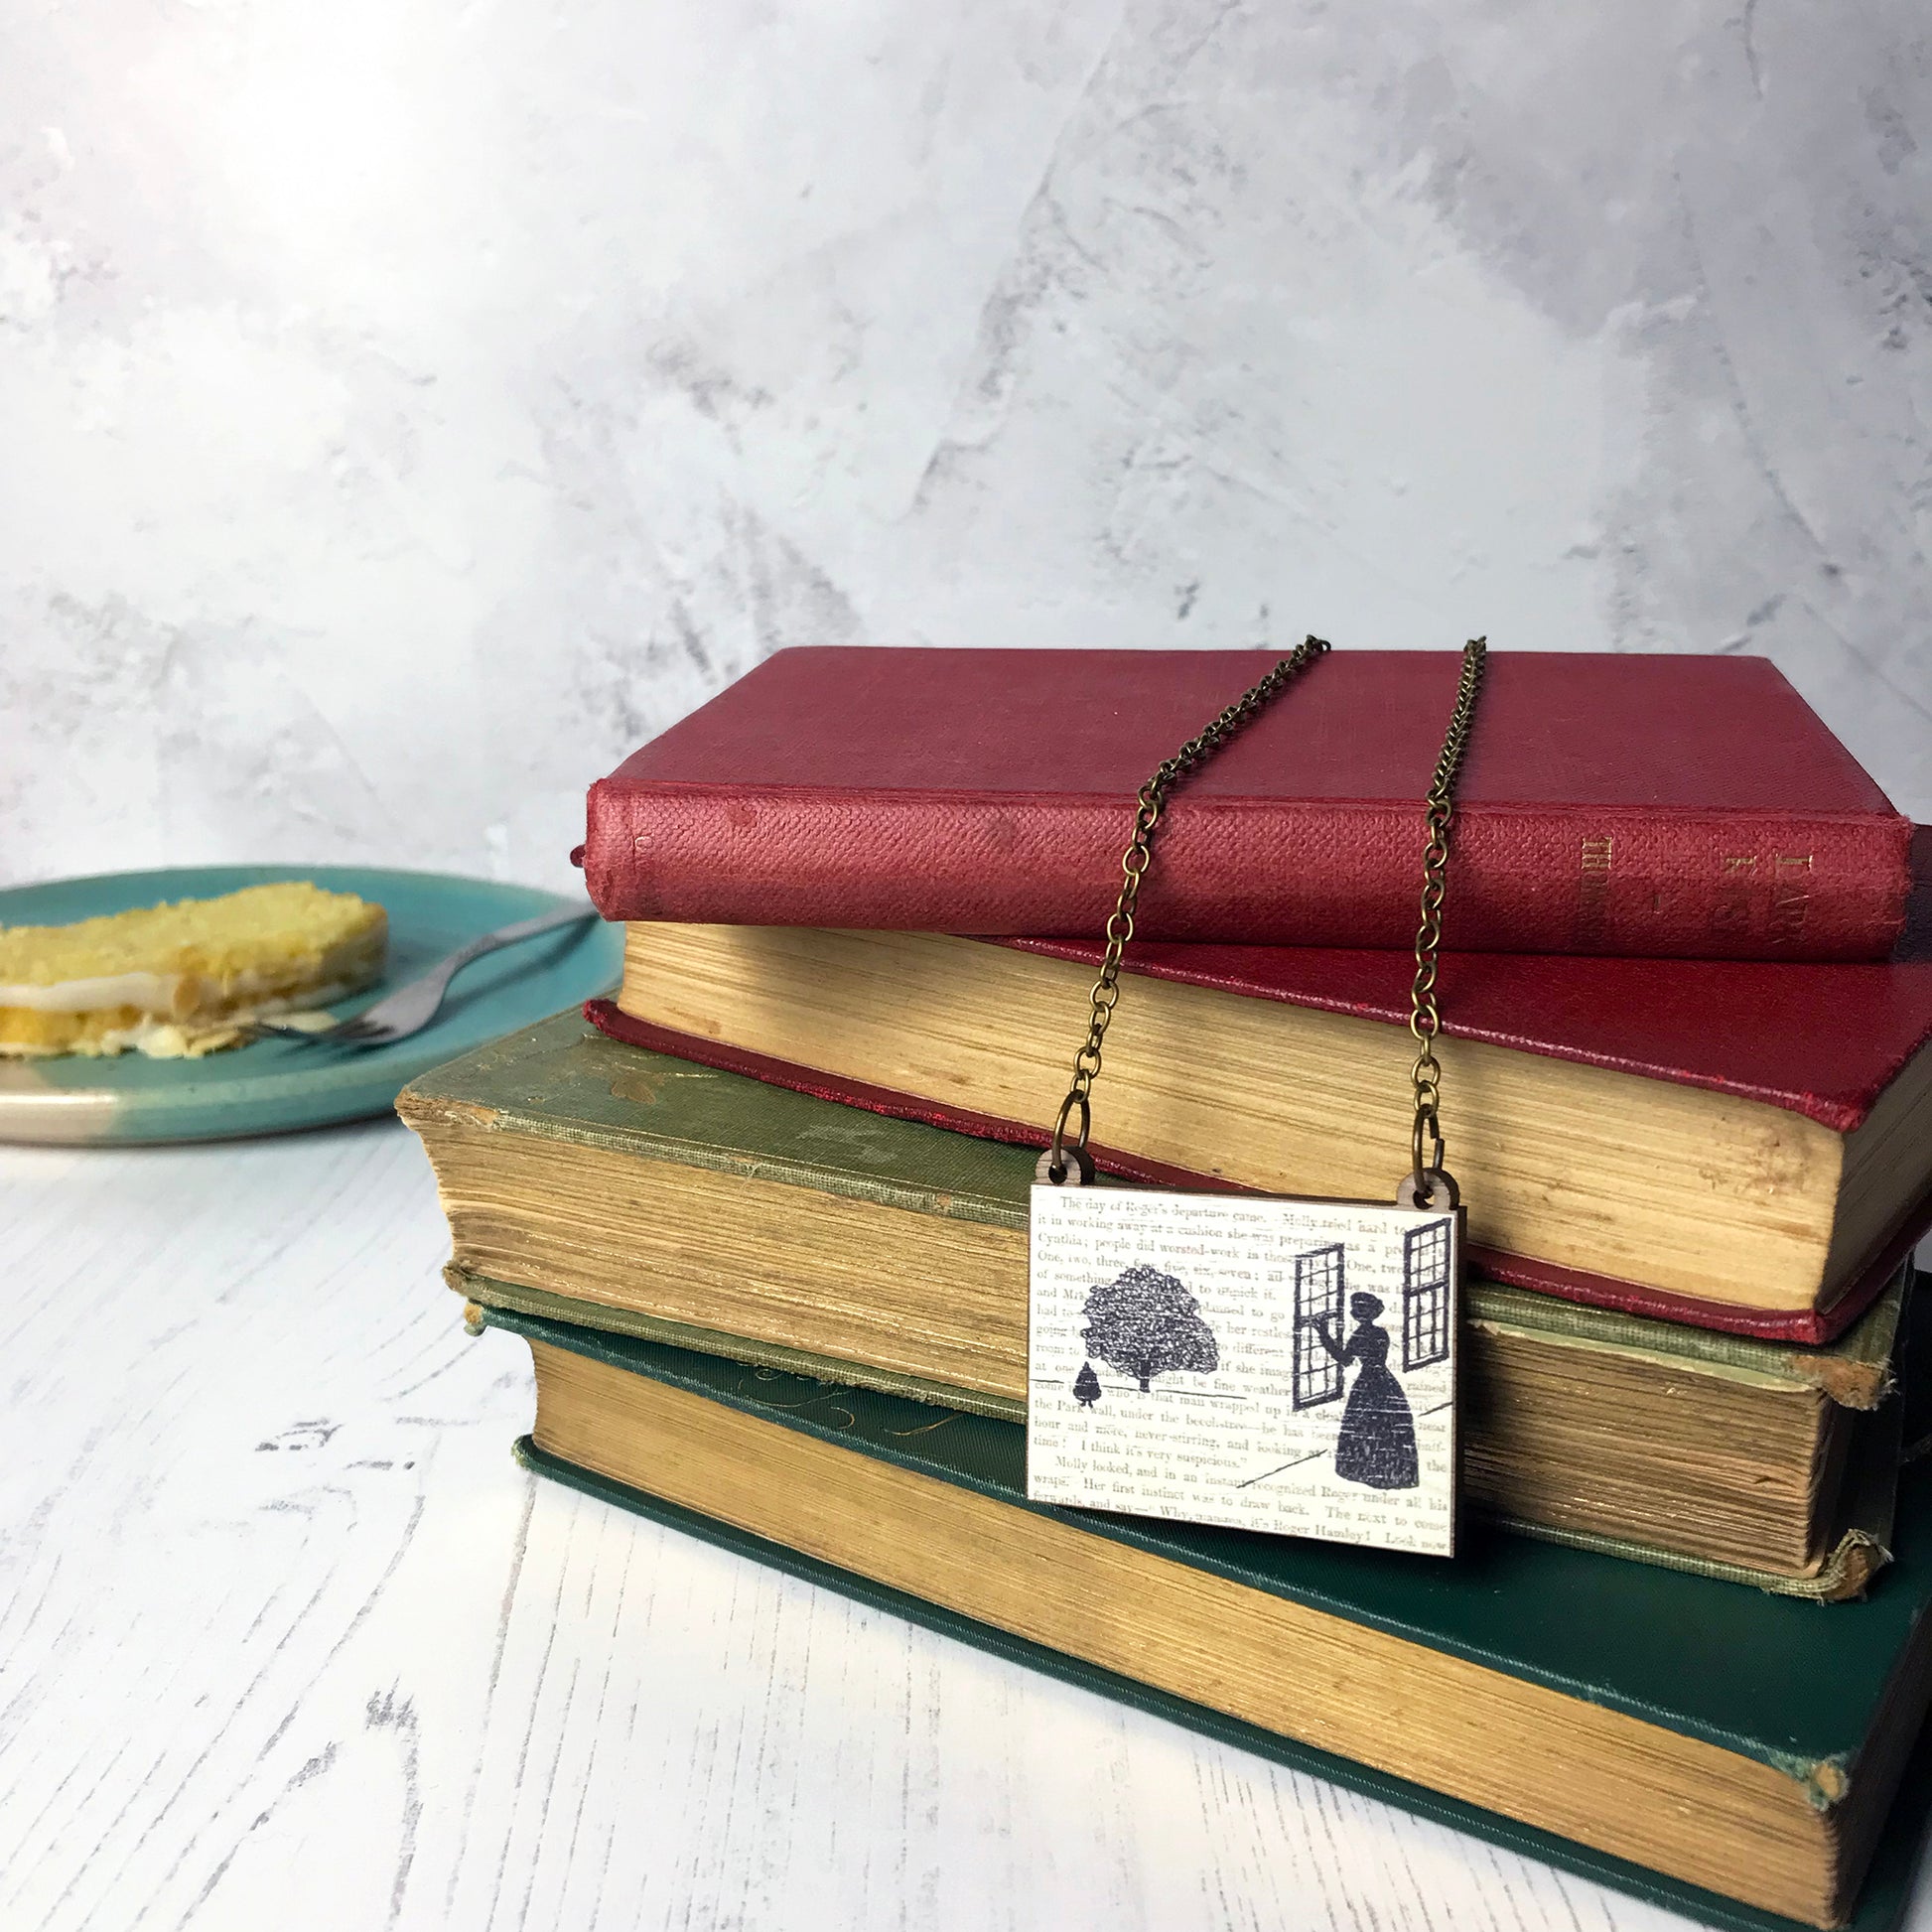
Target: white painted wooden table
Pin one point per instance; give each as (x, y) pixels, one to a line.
(287, 1642)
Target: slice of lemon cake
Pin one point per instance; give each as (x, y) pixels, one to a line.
(185, 977)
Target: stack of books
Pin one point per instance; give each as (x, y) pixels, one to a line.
(763, 1217)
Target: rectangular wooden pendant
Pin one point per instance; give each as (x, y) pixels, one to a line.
(1267, 1365)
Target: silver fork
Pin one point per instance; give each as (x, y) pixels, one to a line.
(411, 1008)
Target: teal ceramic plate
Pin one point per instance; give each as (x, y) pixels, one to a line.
(275, 1084)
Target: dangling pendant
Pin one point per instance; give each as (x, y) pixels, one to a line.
(1255, 1361)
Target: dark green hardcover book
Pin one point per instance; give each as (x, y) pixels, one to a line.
(587, 1180)
(1523, 1692)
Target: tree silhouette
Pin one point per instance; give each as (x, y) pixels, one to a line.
(1145, 1324)
(1086, 1386)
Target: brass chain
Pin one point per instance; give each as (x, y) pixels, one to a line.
(1134, 864)
(1424, 1022)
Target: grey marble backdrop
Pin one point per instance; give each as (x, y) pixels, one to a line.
(409, 408)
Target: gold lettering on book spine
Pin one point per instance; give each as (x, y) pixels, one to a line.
(1593, 888)
(1730, 911)
(1791, 896)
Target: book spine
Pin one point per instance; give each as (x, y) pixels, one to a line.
(1524, 879)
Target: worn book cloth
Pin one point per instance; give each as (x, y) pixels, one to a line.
(1659, 805)
(1744, 1748)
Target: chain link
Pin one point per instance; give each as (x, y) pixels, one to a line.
(1134, 864)
(1425, 1022)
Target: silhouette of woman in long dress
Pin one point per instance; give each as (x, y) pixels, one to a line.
(1377, 1445)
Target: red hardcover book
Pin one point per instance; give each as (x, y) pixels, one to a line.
(1662, 806)
(1827, 1041)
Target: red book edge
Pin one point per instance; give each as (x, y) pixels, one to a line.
(1804, 1325)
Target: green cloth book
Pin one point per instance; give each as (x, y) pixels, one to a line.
(1728, 1754)
(588, 1181)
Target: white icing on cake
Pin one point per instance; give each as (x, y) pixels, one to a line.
(150, 992)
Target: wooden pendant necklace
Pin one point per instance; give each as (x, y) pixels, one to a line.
(1212, 1379)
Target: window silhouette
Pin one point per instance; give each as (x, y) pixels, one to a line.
(1425, 1296)
(1318, 1289)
